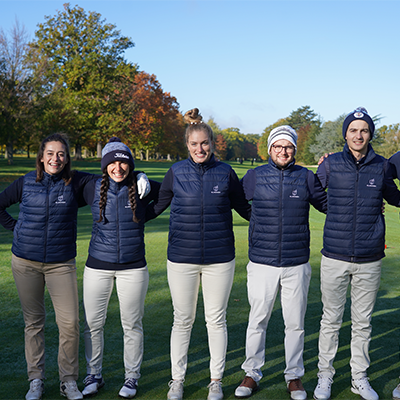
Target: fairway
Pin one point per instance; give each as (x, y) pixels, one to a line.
(384, 351)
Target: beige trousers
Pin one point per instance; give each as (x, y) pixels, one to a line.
(31, 277)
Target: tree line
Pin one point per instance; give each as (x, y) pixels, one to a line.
(73, 78)
(316, 137)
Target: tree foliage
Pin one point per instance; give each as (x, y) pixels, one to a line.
(389, 140)
(154, 121)
(85, 59)
(330, 139)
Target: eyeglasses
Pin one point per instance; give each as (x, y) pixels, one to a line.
(278, 148)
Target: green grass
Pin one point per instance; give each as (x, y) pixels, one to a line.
(385, 366)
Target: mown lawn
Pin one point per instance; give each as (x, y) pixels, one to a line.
(384, 352)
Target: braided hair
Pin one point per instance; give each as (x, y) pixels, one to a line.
(104, 186)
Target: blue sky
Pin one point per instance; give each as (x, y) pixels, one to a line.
(249, 63)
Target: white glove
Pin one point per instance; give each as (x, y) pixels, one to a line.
(143, 185)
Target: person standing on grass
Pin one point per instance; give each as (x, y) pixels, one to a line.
(202, 191)
(354, 240)
(116, 252)
(43, 254)
(279, 250)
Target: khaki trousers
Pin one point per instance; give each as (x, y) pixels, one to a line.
(364, 279)
(31, 277)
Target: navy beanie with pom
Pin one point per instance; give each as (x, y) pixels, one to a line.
(358, 113)
(115, 150)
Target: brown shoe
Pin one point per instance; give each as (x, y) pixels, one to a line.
(296, 390)
(246, 388)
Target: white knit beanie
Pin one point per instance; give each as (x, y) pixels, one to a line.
(282, 132)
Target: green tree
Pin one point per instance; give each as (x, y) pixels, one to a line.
(86, 68)
(389, 140)
(307, 125)
(330, 139)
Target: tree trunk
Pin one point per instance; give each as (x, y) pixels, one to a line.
(78, 151)
(27, 150)
(99, 145)
(9, 153)
(147, 155)
(169, 157)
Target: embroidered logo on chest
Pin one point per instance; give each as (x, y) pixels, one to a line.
(60, 200)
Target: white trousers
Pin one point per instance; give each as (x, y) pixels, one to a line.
(184, 281)
(263, 284)
(335, 278)
(132, 287)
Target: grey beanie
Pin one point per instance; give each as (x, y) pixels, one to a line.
(282, 132)
(115, 150)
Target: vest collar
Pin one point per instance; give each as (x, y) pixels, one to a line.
(203, 166)
(368, 157)
(289, 166)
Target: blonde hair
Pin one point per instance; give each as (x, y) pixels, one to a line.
(195, 123)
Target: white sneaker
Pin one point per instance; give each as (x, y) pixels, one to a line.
(129, 389)
(215, 391)
(36, 390)
(175, 390)
(363, 388)
(323, 388)
(70, 390)
(396, 392)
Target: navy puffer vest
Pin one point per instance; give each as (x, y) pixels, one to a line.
(201, 218)
(355, 226)
(279, 233)
(117, 238)
(46, 227)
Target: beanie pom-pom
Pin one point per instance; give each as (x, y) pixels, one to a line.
(114, 139)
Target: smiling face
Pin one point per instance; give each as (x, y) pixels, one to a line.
(54, 158)
(357, 137)
(118, 171)
(282, 153)
(199, 146)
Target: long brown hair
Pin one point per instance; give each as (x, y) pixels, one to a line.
(105, 184)
(67, 174)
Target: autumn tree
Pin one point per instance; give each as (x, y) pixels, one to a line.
(154, 123)
(221, 146)
(85, 55)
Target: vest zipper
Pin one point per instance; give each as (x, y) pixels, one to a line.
(355, 208)
(117, 224)
(202, 213)
(280, 215)
(47, 223)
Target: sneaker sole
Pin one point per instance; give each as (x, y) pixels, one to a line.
(355, 391)
(256, 389)
(86, 396)
(320, 398)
